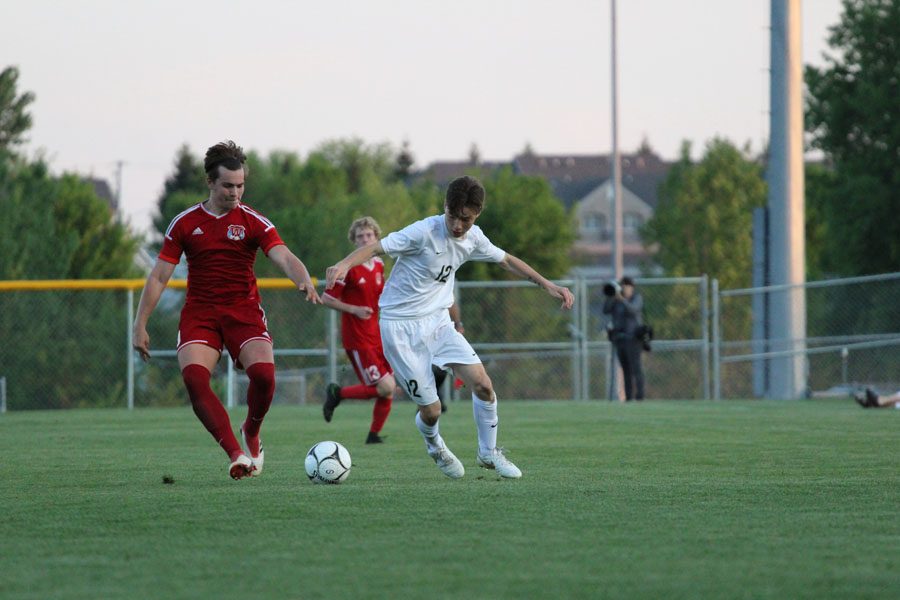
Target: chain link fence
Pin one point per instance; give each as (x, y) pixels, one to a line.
(852, 339)
(68, 344)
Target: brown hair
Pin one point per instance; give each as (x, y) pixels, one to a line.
(363, 223)
(464, 192)
(226, 154)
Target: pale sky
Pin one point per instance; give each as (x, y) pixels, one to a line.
(132, 81)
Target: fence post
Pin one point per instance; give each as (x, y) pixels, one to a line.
(2, 394)
(579, 342)
(129, 349)
(332, 345)
(717, 347)
(704, 320)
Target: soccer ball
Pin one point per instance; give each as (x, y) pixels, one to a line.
(327, 462)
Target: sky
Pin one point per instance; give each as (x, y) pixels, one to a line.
(133, 81)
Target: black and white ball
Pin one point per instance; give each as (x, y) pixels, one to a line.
(328, 462)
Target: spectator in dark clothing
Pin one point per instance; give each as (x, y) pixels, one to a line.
(624, 307)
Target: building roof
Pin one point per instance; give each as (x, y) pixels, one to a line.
(572, 177)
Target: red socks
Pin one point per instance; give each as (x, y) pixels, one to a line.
(380, 413)
(359, 392)
(209, 410)
(259, 395)
(363, 392)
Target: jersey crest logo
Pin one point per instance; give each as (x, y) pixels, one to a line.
(236, 232)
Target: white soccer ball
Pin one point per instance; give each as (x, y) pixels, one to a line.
(327, 462)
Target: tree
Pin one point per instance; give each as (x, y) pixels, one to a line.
(405, 162)
(703, 221)
(853, 116)
(183, 188)
(14, 118)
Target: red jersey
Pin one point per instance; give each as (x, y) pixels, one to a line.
(220, 252)
(362, 287)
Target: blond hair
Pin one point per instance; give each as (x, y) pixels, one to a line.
(363, 223)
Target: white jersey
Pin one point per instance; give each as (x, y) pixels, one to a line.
(422, 280)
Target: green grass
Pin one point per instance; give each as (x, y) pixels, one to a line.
(656, 500)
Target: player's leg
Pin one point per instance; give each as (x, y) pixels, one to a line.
(334, 393)
(259, 360)
(411, 359)
(383, 402)
(247, 338)
(367, 372)
(440, 376)
(197, 361)
(457, 353)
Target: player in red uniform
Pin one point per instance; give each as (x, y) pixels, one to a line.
(356, 296)
(220, 237)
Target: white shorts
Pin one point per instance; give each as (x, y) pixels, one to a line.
(413, 345)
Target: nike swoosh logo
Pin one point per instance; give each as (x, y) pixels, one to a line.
(494, 425)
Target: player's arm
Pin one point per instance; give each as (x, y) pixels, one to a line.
(357, 257)
(524, 270)
(153, 289)
(360, 312)
(296, 271)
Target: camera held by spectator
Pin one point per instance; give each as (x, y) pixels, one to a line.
(612, 288)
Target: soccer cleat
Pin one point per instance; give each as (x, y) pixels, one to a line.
(447, 462)
(241, 467)
(374, 438)
(332, 399)
(497, 461)
(871, 398)
(860, 398)
(257, 461)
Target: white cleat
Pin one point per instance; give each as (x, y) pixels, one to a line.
(497, 461)
(448, 463)
(256, 461)
(241, 467)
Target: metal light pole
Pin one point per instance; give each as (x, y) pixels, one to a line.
(616, 199)
(787, 240)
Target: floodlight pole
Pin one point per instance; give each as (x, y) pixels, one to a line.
(616, 198)
(616, 162)
(784, 172)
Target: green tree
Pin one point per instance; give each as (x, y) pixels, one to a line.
(14, 118)
(523, 217)
(703, 221)
(853, 116)
(404, 164)
(183, 188)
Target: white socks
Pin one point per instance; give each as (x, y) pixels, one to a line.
(486, 420)
(433, 440)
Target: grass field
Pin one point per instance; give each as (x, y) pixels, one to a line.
(657, 500)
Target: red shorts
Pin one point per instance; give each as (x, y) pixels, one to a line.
(218, 326)
(370, 364)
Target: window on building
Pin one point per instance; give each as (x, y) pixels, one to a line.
(632, 221)
(593, 222)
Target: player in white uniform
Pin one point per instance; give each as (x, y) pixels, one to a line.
(416, 328)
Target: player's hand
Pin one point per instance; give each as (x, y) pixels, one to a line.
(333, 274)
(363, 312)
(309, 290)
(141, 343)
(563, 294)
